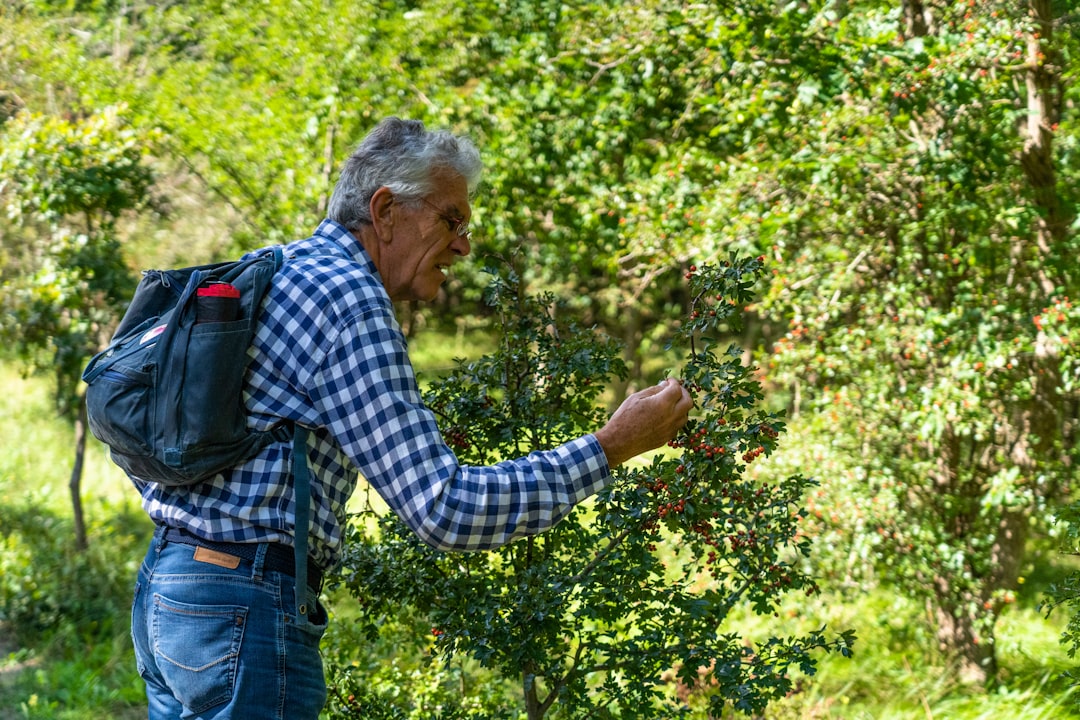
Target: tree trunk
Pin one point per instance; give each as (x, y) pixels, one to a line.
(959, 639)
(966, 610)
(631, 341)
(916, 19)
(1045, 93)
(964, 635)
(535, 708)
(1035, 425)
(75, 482)
(532, 702)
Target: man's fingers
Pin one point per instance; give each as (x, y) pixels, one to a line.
(676, 414)
(653, 390)
(680, 396)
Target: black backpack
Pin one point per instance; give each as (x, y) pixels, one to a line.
(166, 395)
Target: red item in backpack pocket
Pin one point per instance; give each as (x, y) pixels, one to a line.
(217, 302)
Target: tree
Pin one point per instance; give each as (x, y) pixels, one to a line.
(66, 185)
(262, 100)
(597, 163)
(924, 239)
(590, 614)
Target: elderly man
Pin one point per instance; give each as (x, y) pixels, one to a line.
(216, 635)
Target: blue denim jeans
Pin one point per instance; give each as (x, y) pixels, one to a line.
(223, 644)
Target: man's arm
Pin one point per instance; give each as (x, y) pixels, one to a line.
(365, 391)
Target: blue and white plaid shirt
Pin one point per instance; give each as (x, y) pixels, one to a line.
(329, 354)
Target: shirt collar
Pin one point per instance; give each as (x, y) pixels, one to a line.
(338, 234)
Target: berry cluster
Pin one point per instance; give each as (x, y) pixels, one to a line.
(751, 455)
(456, 437)
(1054, 313)
(696, 443)
(768, 431)
(675, 504)
(676, 507)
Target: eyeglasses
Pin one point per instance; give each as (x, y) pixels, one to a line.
(458, 226)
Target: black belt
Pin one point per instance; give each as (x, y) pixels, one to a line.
(279, 558)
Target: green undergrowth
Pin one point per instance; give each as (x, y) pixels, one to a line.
(64, 614)
(390, 673)
(897, 674)
(894, 674)
(65, 652)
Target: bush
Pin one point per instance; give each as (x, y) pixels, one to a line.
(619, 610)
(46, 584)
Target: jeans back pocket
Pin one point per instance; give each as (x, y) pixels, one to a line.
(196, 648)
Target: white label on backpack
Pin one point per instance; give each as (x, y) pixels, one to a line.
(152, 333)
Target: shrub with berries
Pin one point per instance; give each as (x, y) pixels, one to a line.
(621, 608)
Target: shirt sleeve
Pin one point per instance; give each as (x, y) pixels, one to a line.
(366, 391)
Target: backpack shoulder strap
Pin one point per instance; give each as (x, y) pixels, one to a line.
(302, 488)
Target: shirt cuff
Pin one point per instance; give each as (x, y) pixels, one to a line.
(590, 466)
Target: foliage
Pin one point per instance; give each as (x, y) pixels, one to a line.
(908, 168)
(394, 678)
(1066, 593)
(919, 256)
(260, 101)
(68, 611)
(65, 185)
(897, 675)
(592, 613)
(39, 571)
(71, 674)
(65, 648)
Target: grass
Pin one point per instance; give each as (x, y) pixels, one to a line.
(895, 673)
(65, 652)
(895, 676)
(64, 648)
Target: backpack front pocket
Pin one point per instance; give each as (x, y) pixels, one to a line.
(119, 407)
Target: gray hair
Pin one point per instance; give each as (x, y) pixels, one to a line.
(403, 156)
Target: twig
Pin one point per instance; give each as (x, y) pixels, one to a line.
(612, 544)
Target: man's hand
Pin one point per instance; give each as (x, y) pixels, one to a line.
(645, 421)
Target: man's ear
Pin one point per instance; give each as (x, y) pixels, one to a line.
(382, 213)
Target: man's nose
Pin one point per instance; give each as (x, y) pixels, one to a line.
(461, 245)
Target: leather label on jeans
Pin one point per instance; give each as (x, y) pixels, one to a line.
(214, 557)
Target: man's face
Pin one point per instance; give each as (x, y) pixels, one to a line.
(425, 242)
